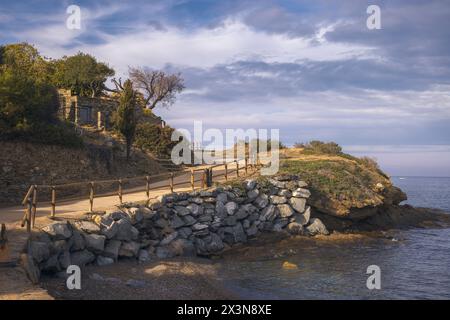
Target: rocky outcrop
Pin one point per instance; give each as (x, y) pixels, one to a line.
(198, 223)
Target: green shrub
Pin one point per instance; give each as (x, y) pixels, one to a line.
(153, 138)
(316, 146)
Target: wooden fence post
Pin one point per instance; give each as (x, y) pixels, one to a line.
(171, 182)
(226, 172)
(53, 201)
(29, 209)
(192, 180)
(147, 187)
(237, 168)
(34, 206)
(91, 196)
(203, 179)
(246, 166)
(120, 191)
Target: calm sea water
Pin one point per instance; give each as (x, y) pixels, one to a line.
(414, 265)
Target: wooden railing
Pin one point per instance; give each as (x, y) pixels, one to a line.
(206, 179)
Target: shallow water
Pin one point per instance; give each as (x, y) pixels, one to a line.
(415, 264)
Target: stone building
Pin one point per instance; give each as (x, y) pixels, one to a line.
(92, 111)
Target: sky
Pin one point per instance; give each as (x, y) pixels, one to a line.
(309, 68)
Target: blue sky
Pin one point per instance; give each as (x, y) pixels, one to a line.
(310, 68)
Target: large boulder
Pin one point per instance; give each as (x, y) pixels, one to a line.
(87, 226)
(40, 251)
(95, 242)
(303, 218)
(82, 258)
(129, 249)
(285, 210)
(112, 249)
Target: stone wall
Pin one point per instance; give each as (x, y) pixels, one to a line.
(198, 223)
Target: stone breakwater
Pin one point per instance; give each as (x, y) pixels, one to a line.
(197, 223)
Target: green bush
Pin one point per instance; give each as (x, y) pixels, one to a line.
(316, 146)
(152, 138)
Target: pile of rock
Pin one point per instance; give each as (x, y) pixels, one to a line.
(195, 223)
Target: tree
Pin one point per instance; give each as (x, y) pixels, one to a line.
(82, 73)
(125, 119)
(155, 87)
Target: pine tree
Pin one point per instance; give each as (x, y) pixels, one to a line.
(125, 121)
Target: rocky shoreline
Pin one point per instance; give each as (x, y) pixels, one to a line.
(201, 223)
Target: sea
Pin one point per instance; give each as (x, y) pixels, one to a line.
(411, 264)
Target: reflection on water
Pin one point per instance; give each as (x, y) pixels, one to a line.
(415, 267)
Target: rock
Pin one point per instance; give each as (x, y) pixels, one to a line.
(205, 218)
(291, 185)
(59, 246)
(239, 233)
(95, 242)
(278, 184)
(301, 193)
(104, 261)
(252, 231)
(209, 245)
(303, 219)
(129, 249)
(262, 201)
(110, 231)
(30, 267)
(169, 238)
(269, 213)
(317, 227)
(278, 199)
(58, 230)
(195, 209)
(285, 193)
(51, 265)
(285, 210)
(112, 249)
(164, 252)
(196, 200)
(231, 208)
(176, 222)
(253, 194)
(222, 197)
(77, 241)
(182, 211)
(147, 213)
(135, 215)
(82, 258)
(302, 184)
(189, 220)
(126, 231)
(221, 212)
(199, 226)
(161, 223)
(295, 228)
(298, 204)
(241, 213)
(87, 226)
(40, 251)
(143, 255)
(230, 221)
(250, 184)
(64, 259)
(185, 232)
(182, 247)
